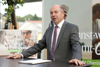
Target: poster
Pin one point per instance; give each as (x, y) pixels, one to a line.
(15, 41)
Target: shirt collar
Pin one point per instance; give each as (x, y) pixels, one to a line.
(60, 24)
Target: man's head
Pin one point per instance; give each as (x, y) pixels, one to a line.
(65, 9)
(96, 11)
(57, 14)
(26, 34)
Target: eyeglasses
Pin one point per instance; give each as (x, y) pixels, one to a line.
(27, 33)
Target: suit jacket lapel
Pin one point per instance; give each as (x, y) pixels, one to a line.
(61, 33)
(50, 36)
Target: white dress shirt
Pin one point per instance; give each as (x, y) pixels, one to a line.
(58, 31)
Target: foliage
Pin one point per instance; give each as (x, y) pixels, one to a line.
(82, 43)
(12, 4)
(29, 16)
(35, 17)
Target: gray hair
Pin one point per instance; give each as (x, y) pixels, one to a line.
(65, 9)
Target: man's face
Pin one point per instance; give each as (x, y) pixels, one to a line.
(25, 34)
(56, 14)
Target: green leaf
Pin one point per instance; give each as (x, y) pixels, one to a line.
(5, 2)
(17, 6)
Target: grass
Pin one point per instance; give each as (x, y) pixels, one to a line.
(95, 62)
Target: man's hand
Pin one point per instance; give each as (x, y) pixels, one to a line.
(28, 42)
(77, 62)
(15, 56)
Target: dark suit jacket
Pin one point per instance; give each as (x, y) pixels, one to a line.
(67, 47)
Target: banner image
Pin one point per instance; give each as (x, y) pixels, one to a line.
(96, 29)
(85, 14)
(13, 41)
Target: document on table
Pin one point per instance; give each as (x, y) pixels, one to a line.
(34, 61)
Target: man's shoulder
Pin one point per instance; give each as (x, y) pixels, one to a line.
(50, 27)
(70, 24)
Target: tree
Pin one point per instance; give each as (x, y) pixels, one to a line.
(27, 17)
(35, 17)
(20, 19)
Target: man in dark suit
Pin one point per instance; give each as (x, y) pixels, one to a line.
(61, 40)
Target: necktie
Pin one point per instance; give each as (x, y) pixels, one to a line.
(53, 43)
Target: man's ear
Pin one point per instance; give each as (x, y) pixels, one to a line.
(65, 16)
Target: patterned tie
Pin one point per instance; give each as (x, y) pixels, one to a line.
(54, 43)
